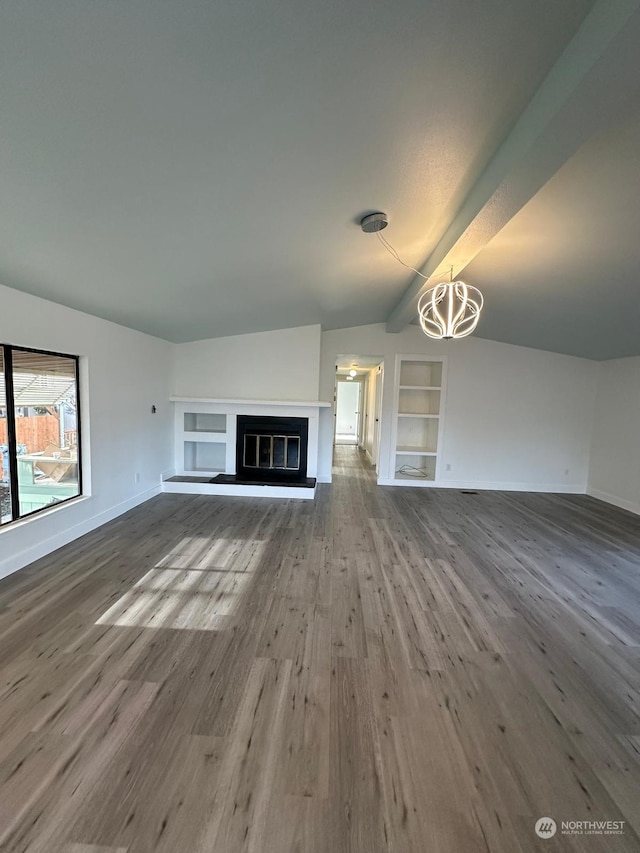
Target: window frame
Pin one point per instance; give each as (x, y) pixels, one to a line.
(7, 352)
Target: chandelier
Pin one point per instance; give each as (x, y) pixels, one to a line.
(448, 310)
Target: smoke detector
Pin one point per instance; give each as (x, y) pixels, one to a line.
(374, 222)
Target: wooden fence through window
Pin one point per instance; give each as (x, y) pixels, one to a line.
(34, 432)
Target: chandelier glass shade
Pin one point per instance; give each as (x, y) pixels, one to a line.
(450, 310)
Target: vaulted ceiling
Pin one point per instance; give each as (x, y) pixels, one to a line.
(195, 169)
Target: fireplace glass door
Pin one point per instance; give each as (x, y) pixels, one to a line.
(272, 452)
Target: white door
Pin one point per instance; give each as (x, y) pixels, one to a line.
(347, 412)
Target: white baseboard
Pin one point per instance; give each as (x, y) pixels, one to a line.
(547, 488)
(389, 481)
(323, 478)
(484, 486)
(45, 546)
(614, 500)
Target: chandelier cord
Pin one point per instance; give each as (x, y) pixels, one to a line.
(394, 254)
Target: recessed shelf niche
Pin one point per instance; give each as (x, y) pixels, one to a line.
(415, 468)
(421, 374)
(204, 456)
(204, 422)
(418, 401)
(418, 420)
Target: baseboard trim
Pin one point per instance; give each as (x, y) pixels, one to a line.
(52, 543)
(614, 500)
(545, 488)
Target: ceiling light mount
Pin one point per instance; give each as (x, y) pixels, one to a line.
(374, 222)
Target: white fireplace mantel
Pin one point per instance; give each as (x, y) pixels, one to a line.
(312, 404)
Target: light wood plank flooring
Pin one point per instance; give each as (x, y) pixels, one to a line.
(378, 670)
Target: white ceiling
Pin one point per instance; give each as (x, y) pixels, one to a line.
(195, 169)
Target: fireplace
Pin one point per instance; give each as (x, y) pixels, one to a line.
(271, 450)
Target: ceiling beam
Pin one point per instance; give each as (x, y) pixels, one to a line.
(583, 93)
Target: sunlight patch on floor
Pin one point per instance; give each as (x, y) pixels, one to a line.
(200, 552)
(201, 598)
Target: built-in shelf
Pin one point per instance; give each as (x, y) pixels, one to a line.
(419, 387)
(419, 372)
(417, 479)
(206, 431)
(201, 435)
(205, 422)
(201, 441)
(204, 457)
(418, 421)
(418, 401)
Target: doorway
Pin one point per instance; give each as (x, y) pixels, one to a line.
(358, 405)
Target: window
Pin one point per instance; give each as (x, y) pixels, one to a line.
(39, 431)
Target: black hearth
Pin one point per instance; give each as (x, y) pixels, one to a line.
(271, 450)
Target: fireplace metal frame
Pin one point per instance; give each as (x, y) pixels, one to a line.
(261, 427)
(260, 438)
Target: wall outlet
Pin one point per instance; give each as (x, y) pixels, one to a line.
(136, 477)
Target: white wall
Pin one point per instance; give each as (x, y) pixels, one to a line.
(515, 418)
(281, 365)
(614, 472)
(123, 373)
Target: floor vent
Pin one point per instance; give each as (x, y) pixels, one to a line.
(467, 492)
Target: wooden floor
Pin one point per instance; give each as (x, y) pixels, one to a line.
(381, 669)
